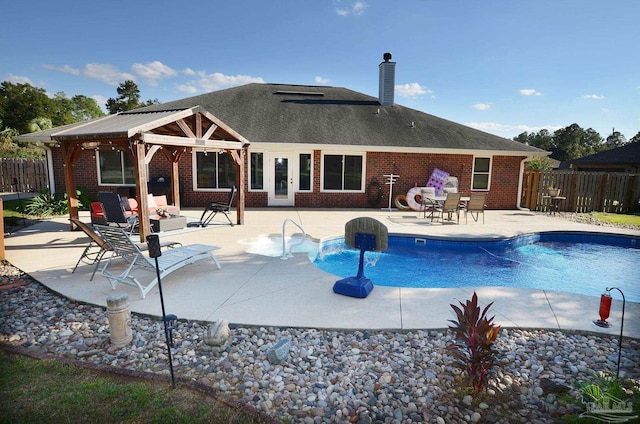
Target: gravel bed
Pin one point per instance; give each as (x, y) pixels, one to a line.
(327, 376)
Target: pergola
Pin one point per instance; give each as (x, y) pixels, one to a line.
(143, 134)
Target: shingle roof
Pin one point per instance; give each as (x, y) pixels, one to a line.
(627, 154)
(281, 113)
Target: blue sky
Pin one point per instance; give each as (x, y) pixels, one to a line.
(500, 66)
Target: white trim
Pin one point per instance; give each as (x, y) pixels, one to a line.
(98, 170)
(344, 153)
(489, 174)
(194, 172)
(391, 149)
(52, 178)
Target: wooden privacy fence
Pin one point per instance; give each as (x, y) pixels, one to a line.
(23, 175)
(584, 191)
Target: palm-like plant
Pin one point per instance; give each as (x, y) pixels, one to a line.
(473, 349)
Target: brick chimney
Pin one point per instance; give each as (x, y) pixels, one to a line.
(387, 80)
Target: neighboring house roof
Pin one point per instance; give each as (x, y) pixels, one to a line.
(322, 115)
(629, 154)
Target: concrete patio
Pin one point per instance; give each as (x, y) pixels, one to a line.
(252, 289)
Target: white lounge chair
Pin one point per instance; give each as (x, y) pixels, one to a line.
(170, 260)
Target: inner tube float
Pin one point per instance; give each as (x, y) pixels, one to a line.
(414, 199)
(401, 202)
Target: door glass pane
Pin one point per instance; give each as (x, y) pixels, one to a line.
(281, 179)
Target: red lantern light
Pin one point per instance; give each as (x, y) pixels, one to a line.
(605, 310)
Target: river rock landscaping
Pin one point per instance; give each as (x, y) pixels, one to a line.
(327, 376)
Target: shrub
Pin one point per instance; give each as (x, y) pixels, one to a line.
(473, 349)
(46, 204)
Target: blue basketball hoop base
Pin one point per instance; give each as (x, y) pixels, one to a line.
(353, 286)
(358, 286)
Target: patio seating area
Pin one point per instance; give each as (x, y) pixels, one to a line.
(251, 289)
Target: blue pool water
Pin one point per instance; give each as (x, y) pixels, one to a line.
(582, 263)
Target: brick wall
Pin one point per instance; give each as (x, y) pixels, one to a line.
(413, 169)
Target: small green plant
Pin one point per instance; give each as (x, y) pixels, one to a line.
(606, 396)
(46, 204)
(475, 334)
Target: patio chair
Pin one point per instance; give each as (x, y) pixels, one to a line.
(114, 213)
(450, 206)
(476, 205)
(98, 247)
(171, 260)
(217, 207)
(94, 251)
(429, 204)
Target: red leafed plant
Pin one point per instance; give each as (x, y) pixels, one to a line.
(473, 350)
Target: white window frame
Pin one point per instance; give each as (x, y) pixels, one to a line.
(488, 174)
(100, 183)
(194, 171)
(344, 153)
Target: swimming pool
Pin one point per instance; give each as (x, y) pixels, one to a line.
(582, 263)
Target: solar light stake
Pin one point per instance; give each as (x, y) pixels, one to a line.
(605, 309)
(153, 242)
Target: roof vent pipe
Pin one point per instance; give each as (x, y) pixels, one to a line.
(387, 80)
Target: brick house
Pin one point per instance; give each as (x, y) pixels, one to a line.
(315, 146)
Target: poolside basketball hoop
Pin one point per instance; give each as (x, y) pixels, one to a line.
(368, 235)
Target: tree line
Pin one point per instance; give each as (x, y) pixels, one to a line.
(25, 108)
(574, 142)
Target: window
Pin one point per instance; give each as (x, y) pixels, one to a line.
(342, 172)
(116, 168)
(257, 171)
(305, 172)
(215, 170)
(481, 168)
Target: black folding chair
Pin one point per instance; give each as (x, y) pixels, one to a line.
(114, 213)
(217, 207)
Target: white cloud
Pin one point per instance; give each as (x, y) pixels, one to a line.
(106, 73)
(412, 90)
(482, 106)
(217, 81)
(593, 96)
(15, 79)
(529, 92)
(187, 88)
(356, 8)
(65, 69)
(321, 80)
(153, 71)
(189, 72)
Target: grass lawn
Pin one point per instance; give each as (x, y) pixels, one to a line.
(34, 391)
(614, 218)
